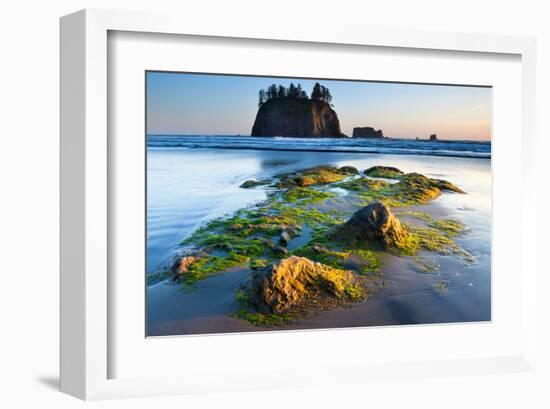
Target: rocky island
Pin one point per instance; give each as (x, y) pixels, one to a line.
(367, 132)
(290, 112)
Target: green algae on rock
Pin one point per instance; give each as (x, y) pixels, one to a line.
(372, 223)
(387, 172)
(318, 175)
(411, 188)
(305, 195)
(361, 261)
(290, 282)
(257, 236)
(376, 223)
(350, 170)
(253, 183)
(437, 235)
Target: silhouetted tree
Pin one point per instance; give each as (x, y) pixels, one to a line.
(300, 93)
(316, 94)
(325, 94)
(272, 92)
(291, 91)
(261, 97)
(319, 93)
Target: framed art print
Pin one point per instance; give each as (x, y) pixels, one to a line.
(306, 197)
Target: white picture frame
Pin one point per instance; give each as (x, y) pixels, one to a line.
(85, 220)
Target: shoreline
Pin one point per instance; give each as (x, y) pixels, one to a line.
(225, 147)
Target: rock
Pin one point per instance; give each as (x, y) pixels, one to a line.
(374, 222)
(350, 170)
(296, 118)
(284, 238)
(280, 287)
(280, 250)
(276, 248)
(423, 189)
(314, 176)
(181, 266)
(367, 132)
(446, 185)
(433, 137)
(319, 248)
(383, 172)
(253, 183)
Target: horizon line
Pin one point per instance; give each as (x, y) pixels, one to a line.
(319, 137)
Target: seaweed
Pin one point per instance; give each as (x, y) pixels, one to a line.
(249, 237)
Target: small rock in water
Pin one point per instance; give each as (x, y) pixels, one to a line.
(284, 239)
(319, 248)
(181, 266)
(253, 183)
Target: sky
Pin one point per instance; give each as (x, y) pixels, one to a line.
(206, 104)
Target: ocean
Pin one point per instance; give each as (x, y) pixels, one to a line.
(464, 149)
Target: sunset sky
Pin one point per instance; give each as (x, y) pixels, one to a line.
(195, 104)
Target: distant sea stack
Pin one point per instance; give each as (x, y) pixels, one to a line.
(433, 137)
(298, 117)
(367, 132)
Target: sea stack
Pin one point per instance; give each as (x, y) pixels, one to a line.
(433, 137)
(295, 117)
(367, 132)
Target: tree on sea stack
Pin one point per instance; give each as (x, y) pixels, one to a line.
(300, 92)
(290, 112)
(292, 93)
(325, 93)
(317, 94)
(261, 97)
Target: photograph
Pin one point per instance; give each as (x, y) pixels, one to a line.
(288, 203)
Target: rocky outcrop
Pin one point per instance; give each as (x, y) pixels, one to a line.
(290, 282)
(367, 132)
(350, 170)
(433, 137)
(253, 183)
(314, 176)
(388, 172)
(374, 222)
(295, 117)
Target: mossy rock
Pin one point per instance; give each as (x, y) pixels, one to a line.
(253, 183)
(362, 184)
(350, 170)
(445, 185)
(372, 223)
(411, 189)
(388, 172)
(318, 175)
(290, 282)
